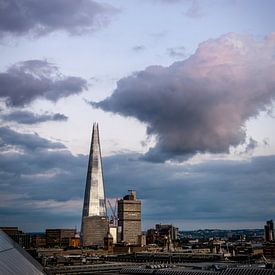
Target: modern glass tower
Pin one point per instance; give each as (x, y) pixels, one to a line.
(94, 225)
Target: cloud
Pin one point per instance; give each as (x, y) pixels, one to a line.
(138, 48)
(177, 52)
(210, 193)
(167, 1)
(40, 17)
(34, 174)
(252, 144)
(200, 104)
(26, 117)
(194, 11)
(209, 190)
(33, 165)
(43, 187)
(10, 138)
(26, 81)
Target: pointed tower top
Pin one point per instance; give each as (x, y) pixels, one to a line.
(94, 200)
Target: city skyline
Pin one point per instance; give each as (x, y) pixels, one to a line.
(183, 92)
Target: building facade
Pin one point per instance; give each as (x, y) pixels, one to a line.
(59, 237)
(269, 231)
(129, 218)
(94, 226)
(161, 233)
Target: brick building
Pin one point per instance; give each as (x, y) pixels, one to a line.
(129, 218)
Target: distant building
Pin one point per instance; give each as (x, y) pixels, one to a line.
(75, 241)
(269, 250)
(151, 236)
(59, 237)
(108, 242)
(94, 226)
(161, 233)
(142, 240)
(113, 232)
(129, 218)
(38, 241)
(167, 230)
(23, 239)
(269, 231)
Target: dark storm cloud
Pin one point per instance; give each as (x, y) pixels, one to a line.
(26, 117)
(9, 137)
(40, 17)
(200, 104)
(35, 172)
(44, 174)
(26, 81)
(228, 190)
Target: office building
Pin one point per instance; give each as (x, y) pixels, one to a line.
(167, 230)
(161, 233)
(269, 250)
(59, 237)
(38, 241)
(129, 218)
(269, 231)
(94, 226)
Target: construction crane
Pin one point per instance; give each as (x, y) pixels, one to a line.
(114, 216)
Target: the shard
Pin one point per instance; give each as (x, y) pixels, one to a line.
(94, 225)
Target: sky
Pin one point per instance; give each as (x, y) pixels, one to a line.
(183, 91)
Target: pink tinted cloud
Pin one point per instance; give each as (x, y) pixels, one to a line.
(200, 104)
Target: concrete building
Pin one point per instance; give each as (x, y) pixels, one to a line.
(59, 237)
(129, 218)
(113, 232)
(167, 230)
(269, 250)
(161, 233)
(38, 241)
(94, 225)
(108, 242)
(269, 231)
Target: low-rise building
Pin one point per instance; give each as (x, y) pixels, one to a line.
(59, 237)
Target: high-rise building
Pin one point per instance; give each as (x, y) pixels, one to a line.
(94, 225)
(269, 231)
(129, 218)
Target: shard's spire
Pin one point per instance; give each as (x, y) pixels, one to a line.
(94, 200)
